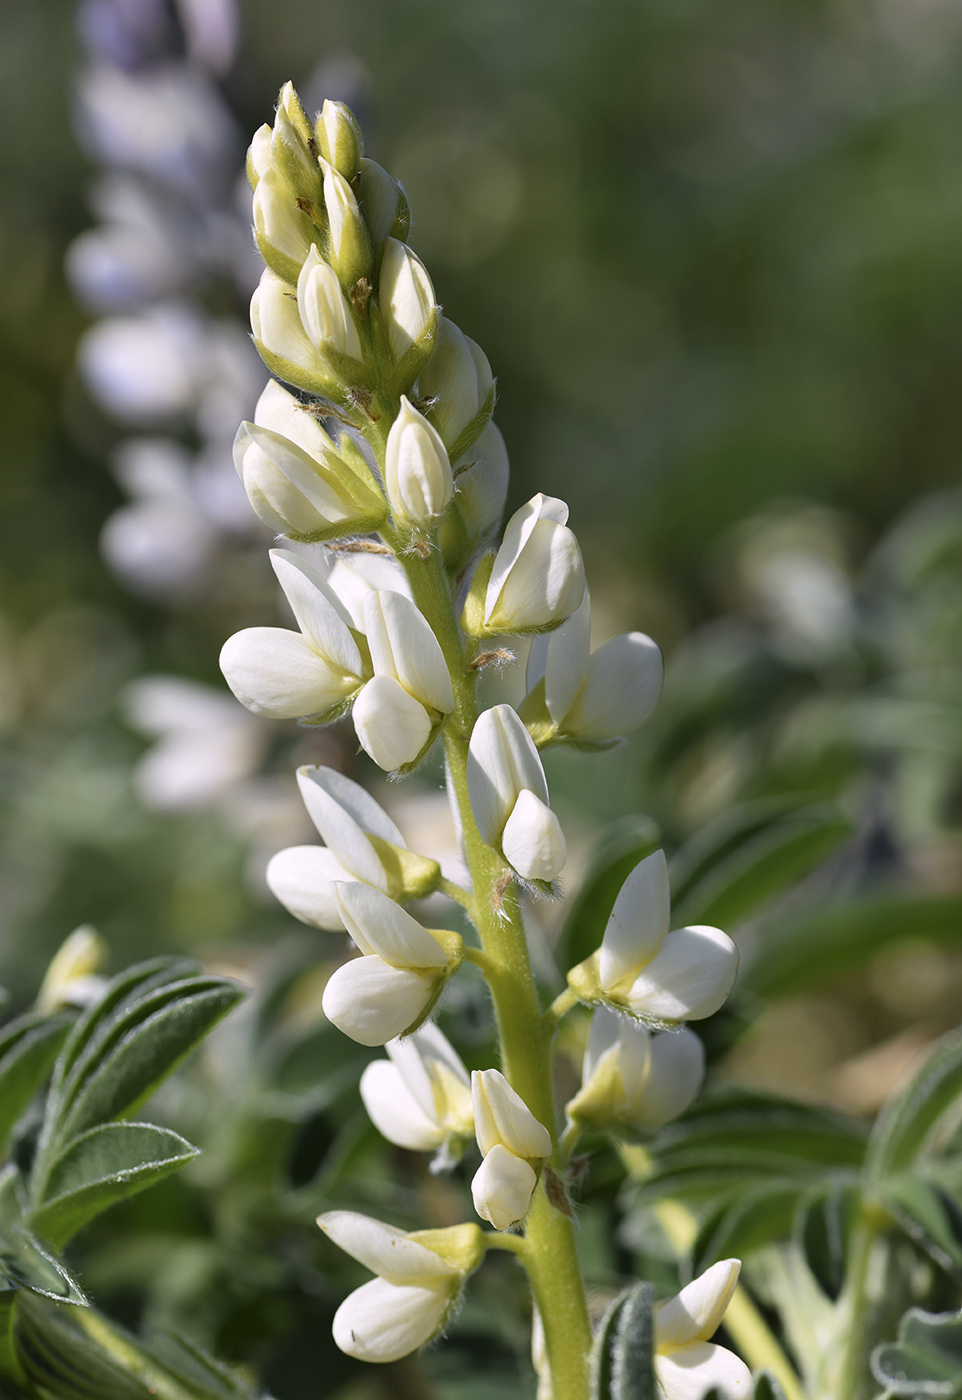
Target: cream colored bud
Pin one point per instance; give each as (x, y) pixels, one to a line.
(284, 234)
(417, 471)
(406, 298)
(381, 199)
(71, 978)
(259, 155)
(459, 377)
(538, 577)
(325, 314)
(339, 138)
(351, 255)
(281, 340)
(291, 145)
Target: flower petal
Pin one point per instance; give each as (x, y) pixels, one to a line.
(424, 1060)
(602, 1035)
(404, 646)
(696, 1313)
(502, 1188)
(395, 1112)
(674, 1076)
(373, 1002)
(545, 585)
(380, 926)
(390, 724)
(384, 1249)
(342, 812)
(502, 1116)
(638, 922)
(688, 978)
(383, 1322)
(691, 1373)
(566, 668)
(276, 673)
(622, 687)
(300, 877)
(318, 611)
(502, 760)
(517, 532)
(284, 414)
(532, 840)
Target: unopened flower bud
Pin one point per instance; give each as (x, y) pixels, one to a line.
(339, 138)
(417, 471)
(324, 310)
(459, 377)
(514, 1145)
(480, 488)
(291, 145)
(282, 342)
(307, 499)
(284, 234)
(648, 970)
(633, 1079)
(383, 203)
(406, 299)
(509, 796)
(419, 1280)
(71, 978)
(259, 155)
(537, 578)
(351, 254)
(393, 987)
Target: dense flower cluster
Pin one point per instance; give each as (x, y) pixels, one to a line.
(387, 451)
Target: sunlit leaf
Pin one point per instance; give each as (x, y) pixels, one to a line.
(905, 1129)
(927, 1358)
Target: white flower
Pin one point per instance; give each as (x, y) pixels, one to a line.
(648, 970)
(279, 225)
(421, 1097)
(595, 695)
(416, 1291)
(71, 978)
(406, 298)
(350, 240)
(362, 844)
(381, 199)
(482, 485)
(538, 577)
(289, 675)
(276, 325)
(514, 1145)
(323, 308)
(398, 712)
(391, 989)
(687, 1365)
(633, 1078)
(417, 472)
(459, 377)
(509, 796)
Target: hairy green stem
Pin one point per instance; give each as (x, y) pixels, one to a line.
(129, 1356)
(854, 1376)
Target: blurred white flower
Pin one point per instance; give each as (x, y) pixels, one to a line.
(687, 1364)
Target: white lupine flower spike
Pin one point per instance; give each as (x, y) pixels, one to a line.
(649, 970)
(514, 1145)
(289, 675)
(687, 1364)
(509, 796)
(363, 844)
(393, 986)
(634, 1080)
(420, 1277)
(420, 1098)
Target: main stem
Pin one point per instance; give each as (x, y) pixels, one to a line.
(524, 1032)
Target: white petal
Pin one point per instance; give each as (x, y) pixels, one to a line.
(481, 490)
(638, 922)
(532, 840)
(417, 472)
(517, 532)
(277, 673)
(623, 686)
(380, 926)
(372, 1002)
(318, 611)
(343, 811)
(283, 413)
(634, 1058)
(566, 666)
(352, 580)
(390, 724)
(406, 296)
(546, 582)
(404, 646)
(300, 877)
(674, 1076)
(688, 978)
(502, 760)
(696, 1313)
(602, 1035)
(502, 1116)
(382, 1322)
(502, 1188)
(394, 1111)
(384, 1249)
(691, 1373)
(424, 1059)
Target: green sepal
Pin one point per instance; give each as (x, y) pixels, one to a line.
(322, 385)
(472, 616)
(537, 720)
(333, 714)
(410, 876)
(461, 1246)
(281, 263)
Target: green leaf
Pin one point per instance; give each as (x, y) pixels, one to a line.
(621, 847)
(103, 1166)
(10, 1368)
(745, 1222)
(136, 1048)
(823, 1230)
(767, 1387)
(819, 945)
(928, 1215)
(28, 1048)
(747, 857)
(927, 1358)
(205, 1377)
(62, 1362)
(26, 1264)
(601, 1350)
(622, 1355)
(906, 1127)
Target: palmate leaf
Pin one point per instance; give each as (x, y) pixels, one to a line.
(927, 1358)
(823, 1230)
(101, 1167)
(928, 1215)
(622, 1356)
(28, 1049)
(621, 847)
(746, 1221)
(907, 1128)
